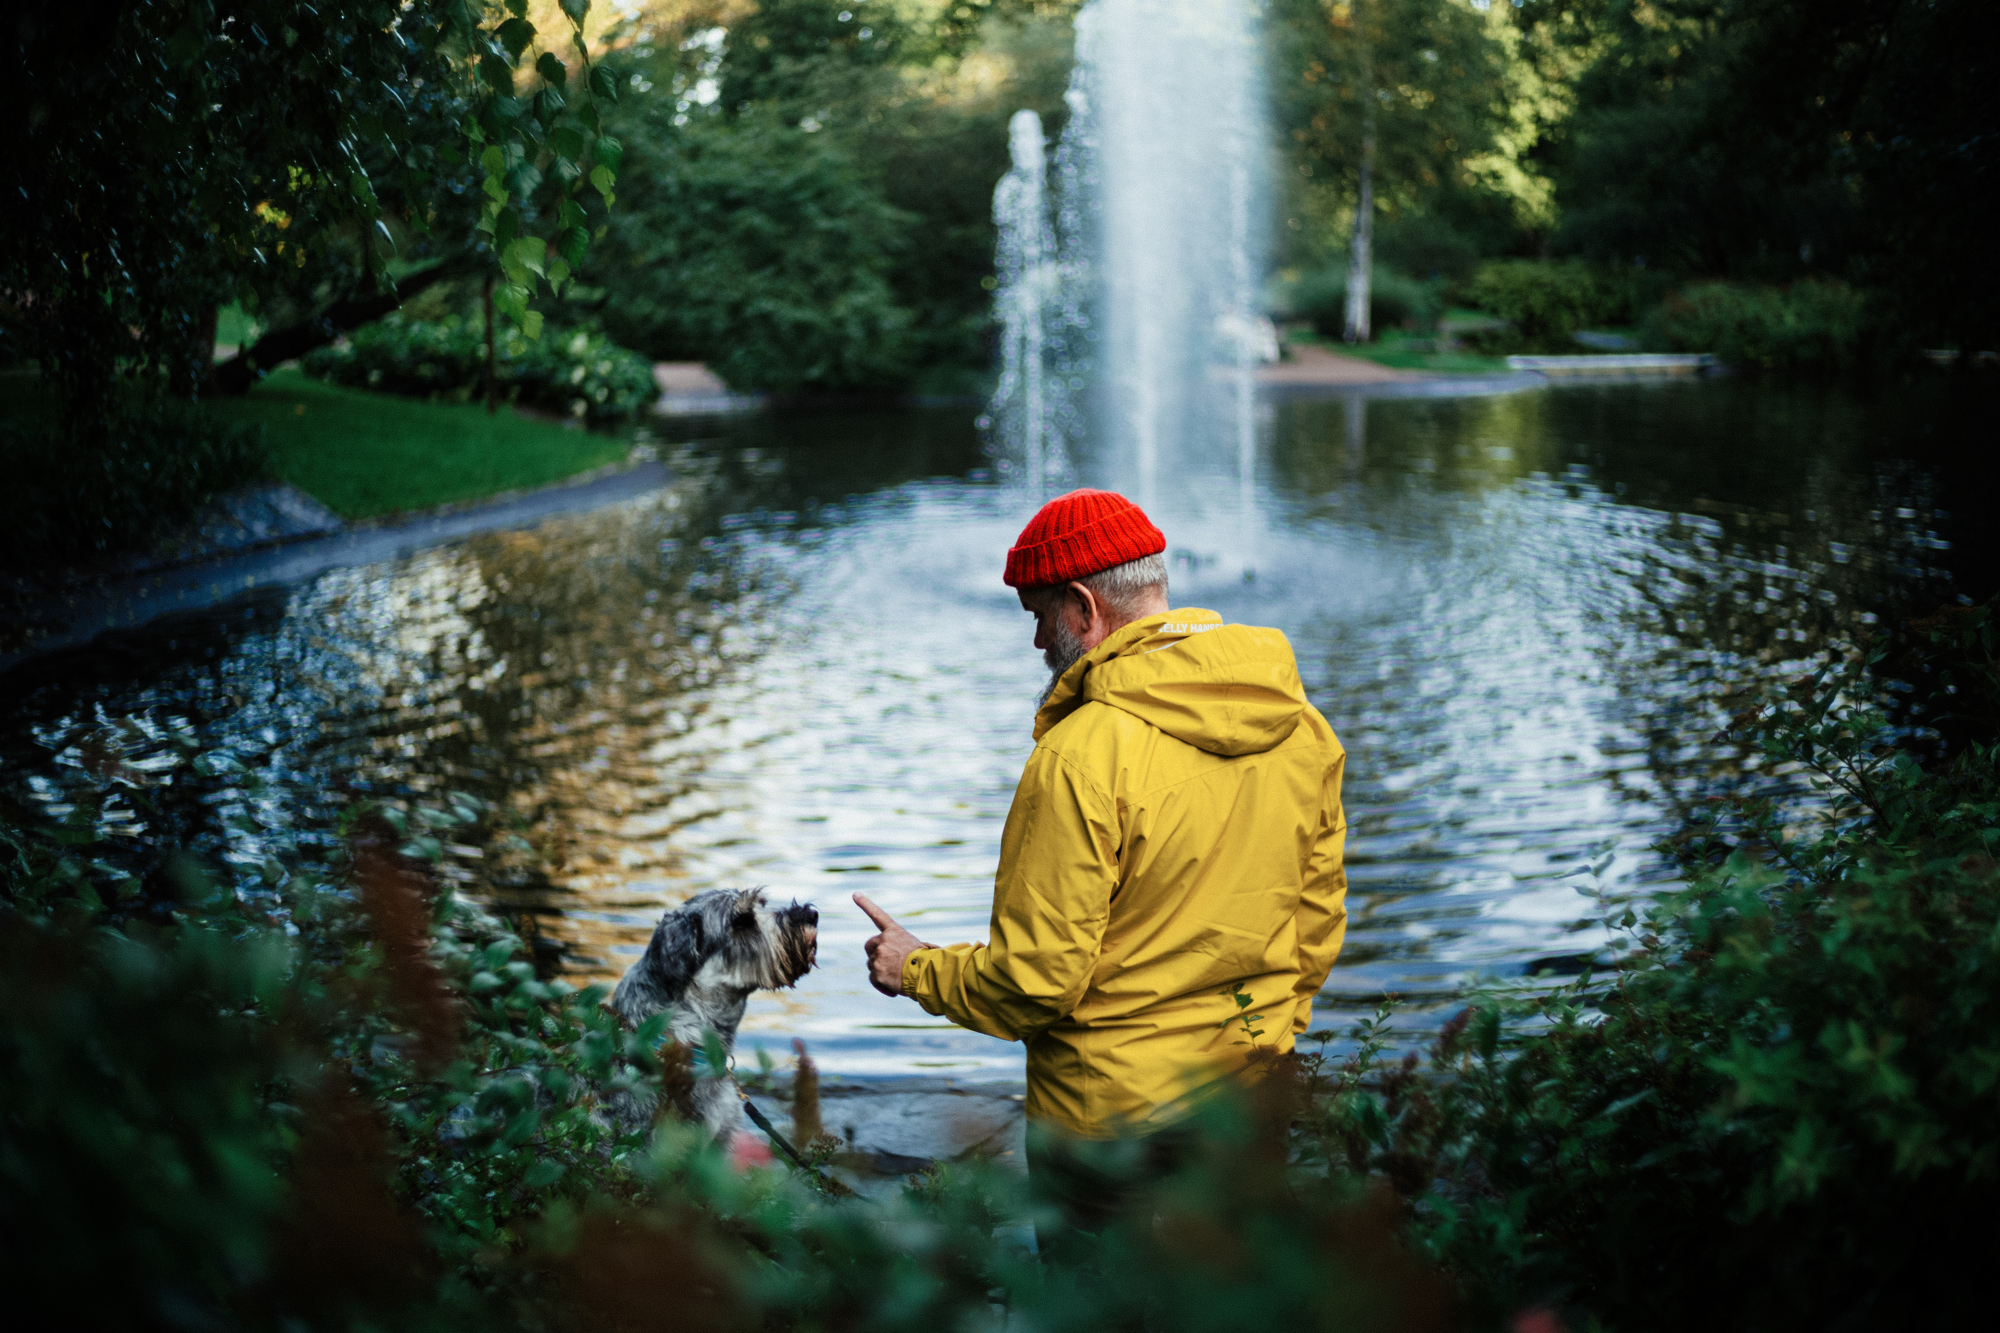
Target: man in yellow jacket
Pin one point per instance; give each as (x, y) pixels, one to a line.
(1170, 894)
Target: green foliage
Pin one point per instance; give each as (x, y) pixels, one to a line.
(825, 222)
(1320, 295)
(1545, 302)
(1437, 73)
(759, 247)
(1766, 141)
(1812, 325)
(137, 1127)
(280, 152)
(77, 495)
(1663, 160)
(578, 373)
(1432, 245)
(1777, 1110)
(391, 1120)
(786, 43)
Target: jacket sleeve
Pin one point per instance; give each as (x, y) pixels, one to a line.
(1051, 899)
(1323, 904)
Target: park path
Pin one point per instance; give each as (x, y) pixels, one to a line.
(1313, 365)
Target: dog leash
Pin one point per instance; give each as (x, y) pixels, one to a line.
(837, 1187)
(771, 1132)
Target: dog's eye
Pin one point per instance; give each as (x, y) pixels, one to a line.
(745, 920)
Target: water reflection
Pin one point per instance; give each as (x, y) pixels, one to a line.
(797, 667)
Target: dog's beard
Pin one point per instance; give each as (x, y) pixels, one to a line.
(768, 948)
(1065, 650)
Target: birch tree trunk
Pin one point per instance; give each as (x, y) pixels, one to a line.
(1361, 252)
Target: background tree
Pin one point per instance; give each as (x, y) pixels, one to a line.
(1771, 140)
(1446, 167)
(809, 203)
(295, 156)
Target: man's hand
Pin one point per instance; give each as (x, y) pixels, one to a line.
(887, 951)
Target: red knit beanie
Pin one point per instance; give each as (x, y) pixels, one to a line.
(1076, 535)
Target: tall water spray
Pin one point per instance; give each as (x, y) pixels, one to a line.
(1150, 326)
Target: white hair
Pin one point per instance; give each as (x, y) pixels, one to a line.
(1119, 587)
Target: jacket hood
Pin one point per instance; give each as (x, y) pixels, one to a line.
(1227, 689)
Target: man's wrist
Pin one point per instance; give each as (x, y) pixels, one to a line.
(903, 973)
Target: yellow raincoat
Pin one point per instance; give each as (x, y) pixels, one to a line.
(1175, 842)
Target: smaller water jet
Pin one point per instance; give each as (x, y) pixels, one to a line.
(1022, 406)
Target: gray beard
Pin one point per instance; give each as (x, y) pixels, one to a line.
(1064, 653)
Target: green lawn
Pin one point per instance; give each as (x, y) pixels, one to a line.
(364, 454)
(1393, 350)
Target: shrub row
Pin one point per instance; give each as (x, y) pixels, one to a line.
(1817, 325)
(574, 373)
(1810, 326)
(1776, 1111)
(1545, 303)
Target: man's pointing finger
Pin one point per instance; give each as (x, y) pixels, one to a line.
(882, 920)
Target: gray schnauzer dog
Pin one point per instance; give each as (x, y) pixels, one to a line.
(705, 958)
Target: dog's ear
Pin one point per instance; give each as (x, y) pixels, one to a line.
(679, 947)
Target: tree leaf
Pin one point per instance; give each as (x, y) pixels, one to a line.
(531, 325)
(548, 105)
(531, 252)
(603, 179)
(511, 300)
(515, 34)
(566, 142)
(553, 70)
(576, 9)
(608, 152)
(603, 83)
(574, 242)
(499, 75)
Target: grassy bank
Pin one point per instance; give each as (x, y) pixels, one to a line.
(363, 454)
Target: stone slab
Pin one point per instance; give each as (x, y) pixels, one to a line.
(1631, 363)
(896, 1132)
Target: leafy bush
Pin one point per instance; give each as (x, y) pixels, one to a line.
(1778, 1110)
(1393, 300)
(1544, 302)
(575, 373)
(391, 1120)
(143, 469)
(757, 247)
(1814, 325)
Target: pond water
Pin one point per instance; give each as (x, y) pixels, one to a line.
(797, 667)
